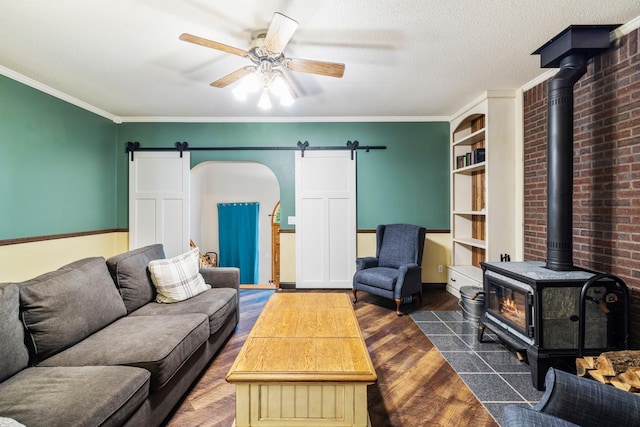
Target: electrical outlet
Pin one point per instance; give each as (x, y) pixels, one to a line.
(440, 268)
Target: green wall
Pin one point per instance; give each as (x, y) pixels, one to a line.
(57, 165)
(407, 182)
(65, 170)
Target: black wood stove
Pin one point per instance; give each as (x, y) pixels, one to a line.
(549, 318)
(552, 312)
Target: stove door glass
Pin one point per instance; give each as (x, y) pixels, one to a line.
(509, 303)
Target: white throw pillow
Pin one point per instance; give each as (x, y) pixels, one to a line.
(177, 279)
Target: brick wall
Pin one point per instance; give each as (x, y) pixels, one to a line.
(606, 198)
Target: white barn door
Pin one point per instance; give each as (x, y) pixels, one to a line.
(325, 219)
(159, 201)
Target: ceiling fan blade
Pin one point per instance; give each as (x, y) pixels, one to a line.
(213, 45)
(331, 69)
(279, 33)
(233, 77)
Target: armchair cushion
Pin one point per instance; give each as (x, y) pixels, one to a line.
(379, 277)
(571, 400)
(399, 245)
(518, 416)
(586, 402)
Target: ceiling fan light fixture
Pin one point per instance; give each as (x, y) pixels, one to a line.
(280, 89)
(267, 54)
(249, 84)
(265, 102)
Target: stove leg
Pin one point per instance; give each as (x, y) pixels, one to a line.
(480, 331)
(539, 368)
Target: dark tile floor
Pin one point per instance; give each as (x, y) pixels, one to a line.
(493, 373)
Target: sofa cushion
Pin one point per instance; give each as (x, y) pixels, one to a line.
(217, 304)
(14, 356)
(131, 276)
(159, 344)
(62, 307)
(77, 396)
(177, 279)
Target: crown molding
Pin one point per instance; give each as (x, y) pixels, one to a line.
(56, 93)
(323, 119)
(625, 29)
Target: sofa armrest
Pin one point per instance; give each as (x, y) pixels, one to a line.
(518, 416)
(222, 277)
(586, 402)
(366, 262)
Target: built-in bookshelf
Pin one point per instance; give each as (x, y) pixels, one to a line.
(482, 187)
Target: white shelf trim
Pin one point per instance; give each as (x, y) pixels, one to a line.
(471, 168)
(468, 241)
(468, 213)
(471, 139)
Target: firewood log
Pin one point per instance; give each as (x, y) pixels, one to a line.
(590, 361)
(582, 366)
(599, 376)
(631, 378)
(619, 382)
(613, 363)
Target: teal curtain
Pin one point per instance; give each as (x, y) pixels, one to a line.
(238, 238)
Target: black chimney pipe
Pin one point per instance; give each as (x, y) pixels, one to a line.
(560, 163)
(570, 50)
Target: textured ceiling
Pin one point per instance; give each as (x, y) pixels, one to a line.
(404, 59)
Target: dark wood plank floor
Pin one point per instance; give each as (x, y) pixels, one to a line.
(416, 386)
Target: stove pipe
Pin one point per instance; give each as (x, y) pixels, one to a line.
(570, 50)
(560, 162)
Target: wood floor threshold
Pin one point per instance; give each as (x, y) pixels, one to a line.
(267, 286)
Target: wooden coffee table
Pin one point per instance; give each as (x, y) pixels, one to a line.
(304, 362)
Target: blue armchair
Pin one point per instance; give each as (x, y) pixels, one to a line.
(571, 401)
(395, 272)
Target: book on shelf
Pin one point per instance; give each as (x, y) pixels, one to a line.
(470, 158)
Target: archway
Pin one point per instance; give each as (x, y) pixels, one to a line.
(216, 182)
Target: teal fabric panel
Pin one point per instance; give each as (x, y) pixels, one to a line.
(238, 238)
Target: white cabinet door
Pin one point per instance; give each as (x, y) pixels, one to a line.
(159, 201)
(325, 219)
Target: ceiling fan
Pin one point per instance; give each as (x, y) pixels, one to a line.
(266, 53)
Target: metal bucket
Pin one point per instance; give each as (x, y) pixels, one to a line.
(471, 302)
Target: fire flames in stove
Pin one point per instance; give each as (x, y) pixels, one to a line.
(509, 304)
(510, 310)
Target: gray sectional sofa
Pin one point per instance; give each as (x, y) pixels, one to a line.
(87, 345)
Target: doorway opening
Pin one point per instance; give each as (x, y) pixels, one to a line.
(215, 182)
